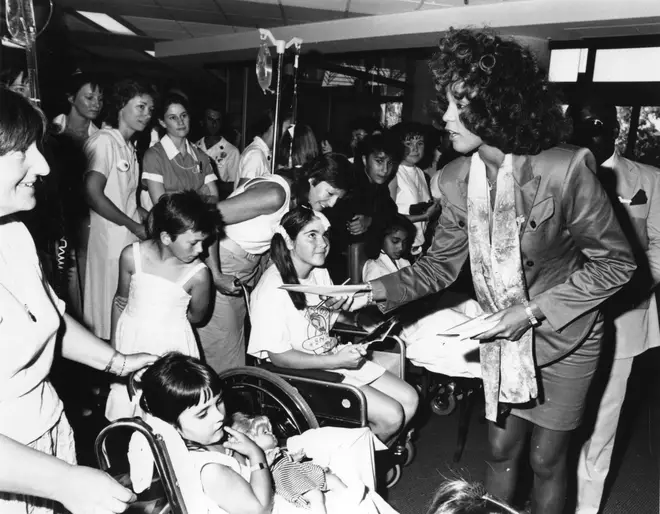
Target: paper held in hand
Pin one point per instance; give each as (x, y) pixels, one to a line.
(334, 290)
(470, 328)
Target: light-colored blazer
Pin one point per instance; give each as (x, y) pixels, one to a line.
(638, 327)
(574, 253)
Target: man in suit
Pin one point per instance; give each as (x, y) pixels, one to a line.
(634, 189)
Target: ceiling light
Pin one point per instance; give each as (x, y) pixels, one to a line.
(107, 22)
(150, 52)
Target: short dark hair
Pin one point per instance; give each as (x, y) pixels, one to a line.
(171, 99)
(333, 168)
(79, 79)
(122, 93)
(400, 222)
(21, 123)
(512, 106)
(176, 382)
(177, 213)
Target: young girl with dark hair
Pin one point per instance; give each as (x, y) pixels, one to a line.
(187, 394)
(163, 286)
(292, 329)
(251, 214)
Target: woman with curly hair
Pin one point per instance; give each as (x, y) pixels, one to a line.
(544, 247)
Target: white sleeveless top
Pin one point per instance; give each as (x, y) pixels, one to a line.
(254, 235)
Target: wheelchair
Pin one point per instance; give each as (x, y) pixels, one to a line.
(337, 404)
(255, 390)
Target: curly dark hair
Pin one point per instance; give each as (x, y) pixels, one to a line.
(512, 106)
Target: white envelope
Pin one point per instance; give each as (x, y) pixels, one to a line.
(470, 328)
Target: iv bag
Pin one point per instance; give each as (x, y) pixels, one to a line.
(264, 65)
(20, 21)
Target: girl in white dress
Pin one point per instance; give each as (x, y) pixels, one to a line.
(163, 286)
(292, 330)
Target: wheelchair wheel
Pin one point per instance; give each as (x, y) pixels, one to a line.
(409, 452)
(393, 476)
(443, 403)
(266, 393)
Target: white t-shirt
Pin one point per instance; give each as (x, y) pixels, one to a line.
(226, 157)
(255, 161)
(376, 268)
(277, 326)
(30, 316)
(412, 189)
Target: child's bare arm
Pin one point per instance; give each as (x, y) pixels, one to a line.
(333, 482)
(245, 498)
(126, 271)
(200, 293)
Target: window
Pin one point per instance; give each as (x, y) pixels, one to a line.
(627, 65)
(390, 113)
(566, 63)
(647, 146)
(623, 114)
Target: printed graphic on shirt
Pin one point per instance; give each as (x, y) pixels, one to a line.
(319, 341)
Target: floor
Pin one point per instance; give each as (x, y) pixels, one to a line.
(634, 478)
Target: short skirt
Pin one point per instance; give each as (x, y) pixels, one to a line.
(563, 386)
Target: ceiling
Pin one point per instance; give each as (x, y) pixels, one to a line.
(187, 34)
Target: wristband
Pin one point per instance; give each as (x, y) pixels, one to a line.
(111, 361)
(370, 293)
(257, 467)
(533, 320)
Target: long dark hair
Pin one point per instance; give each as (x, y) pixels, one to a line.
(293, 222)
(332, 168)
(176, 382)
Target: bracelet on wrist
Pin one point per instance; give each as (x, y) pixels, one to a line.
(370, 293)
(258, 466)
(111, 361)
(533, 320)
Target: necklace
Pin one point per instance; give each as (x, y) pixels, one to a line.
(195, 168)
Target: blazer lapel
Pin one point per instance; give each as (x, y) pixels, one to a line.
(527, 187)
(626, 176)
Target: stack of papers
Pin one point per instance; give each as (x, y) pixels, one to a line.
(335, 291)
(470, 328)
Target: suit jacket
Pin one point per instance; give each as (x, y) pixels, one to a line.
(574, 253)
(637, 324)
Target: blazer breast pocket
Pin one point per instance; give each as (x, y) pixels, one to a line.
(540, 213)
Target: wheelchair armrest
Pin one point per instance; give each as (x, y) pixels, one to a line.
(345, 328)
(316, 374)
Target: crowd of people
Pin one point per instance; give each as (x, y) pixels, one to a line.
(183, 248)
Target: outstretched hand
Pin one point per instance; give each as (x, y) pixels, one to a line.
(513, 322)
(83, 490)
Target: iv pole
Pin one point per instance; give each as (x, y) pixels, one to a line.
(281, 47)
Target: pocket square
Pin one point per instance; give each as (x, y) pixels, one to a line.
(640, 198)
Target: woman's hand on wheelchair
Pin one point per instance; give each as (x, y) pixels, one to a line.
(350, 356)
(84, 490)
(242, 444)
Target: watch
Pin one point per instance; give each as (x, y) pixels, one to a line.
(533, 320)
(257, 467)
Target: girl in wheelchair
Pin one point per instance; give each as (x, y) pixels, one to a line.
(451, 357)
(292, 329)
(187, 394)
